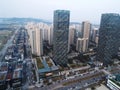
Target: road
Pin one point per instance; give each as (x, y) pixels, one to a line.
(88, 78)
(4, 49)
(76, 69)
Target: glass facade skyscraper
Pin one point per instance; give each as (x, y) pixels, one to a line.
(109, 38)
(60, 37)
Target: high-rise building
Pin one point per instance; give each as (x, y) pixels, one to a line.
(96, 39)
(84, 37)
(32, 36)
(50, 35)
(45, 29)
(72, 33)
(33, 41)
(45, 35)
(36, 38)
(39, 42)
(81, 45)
(71, 36)
(60, 40)
(94, 34)
(109, 38)
(85, 31)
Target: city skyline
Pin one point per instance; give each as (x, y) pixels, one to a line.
(80, 10)
(59, 45)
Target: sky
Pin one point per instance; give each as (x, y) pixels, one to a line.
(80, 10)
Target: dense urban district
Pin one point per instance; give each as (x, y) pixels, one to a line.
(61, 55)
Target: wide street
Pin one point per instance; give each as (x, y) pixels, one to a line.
(81, 81)
(9, 43)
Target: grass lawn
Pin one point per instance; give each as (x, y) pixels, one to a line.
(49, 62)
(39, 63)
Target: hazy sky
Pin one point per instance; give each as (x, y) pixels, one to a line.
(80, 10)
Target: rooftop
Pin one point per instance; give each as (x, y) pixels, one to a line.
(48, 65)
(3, 75)
(116, 79)
(4, 67)
(101, 87)
(17, 74)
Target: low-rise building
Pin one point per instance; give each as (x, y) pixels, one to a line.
(3, 75)
(46, 66)
(113, 82)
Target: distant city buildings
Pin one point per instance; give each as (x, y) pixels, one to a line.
(60, 40)
(36, 39)
(81, 45)
(50, 35)
(38, 33)
(47, 32)
(32, 35)
(109, 38)
(72, 36)
(62, 35)
(83, 41)
(85, 31)
(74, 33)
(95, 35)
